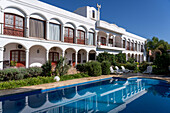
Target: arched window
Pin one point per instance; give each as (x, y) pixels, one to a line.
(37, 28)
(103, 41)
(54, 32)
(69, 35)
(91, 38)
(93, 14)
(13, 25)
(81, 37)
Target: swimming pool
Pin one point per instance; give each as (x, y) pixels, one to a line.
(112, 95)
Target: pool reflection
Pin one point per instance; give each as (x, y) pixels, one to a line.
(104, 96)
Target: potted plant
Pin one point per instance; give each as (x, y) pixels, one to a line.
(13, 63)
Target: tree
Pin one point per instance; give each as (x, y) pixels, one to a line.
(121, 58)
(157, 46)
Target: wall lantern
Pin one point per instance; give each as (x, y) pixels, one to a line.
(38, 51)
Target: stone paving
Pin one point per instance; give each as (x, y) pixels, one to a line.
(75, 81)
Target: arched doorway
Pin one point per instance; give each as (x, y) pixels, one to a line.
(54, 54)
(92, 55)
(82, 56)
(37, 56)
(14, 52)
(70, 56)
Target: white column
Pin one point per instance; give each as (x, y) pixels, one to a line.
(27, 58)
(114, 43)
(76, 58)
(75, 35)
(63, 55)
(47, 29)
(1, 20)
(1, 57)
(126, 44)
(122, 43)
(62, 33)
(96, 38)
(130, 44)
(137, 58)
(87, 38)
(87, 56)
(126, 56)
(27, 23)
(47, 52)
(107, 39)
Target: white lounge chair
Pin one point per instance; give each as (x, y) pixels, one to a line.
(125, 70)
(118, 71)
(148, 70)
(112, 71)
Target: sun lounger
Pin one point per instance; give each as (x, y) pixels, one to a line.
(148, 70)
(118, 71)
(125, 70)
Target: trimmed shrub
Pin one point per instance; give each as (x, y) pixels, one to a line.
(131, 66)
(94, 68)
(82, 67)
(34, 71)
(10, 74)
(105, 67)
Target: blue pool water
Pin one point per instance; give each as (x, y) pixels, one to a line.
(115, 95)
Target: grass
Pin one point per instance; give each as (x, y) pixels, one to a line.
(37, 80)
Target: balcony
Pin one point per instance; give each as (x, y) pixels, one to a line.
(12, 30)
(111, 46)
(112, 27)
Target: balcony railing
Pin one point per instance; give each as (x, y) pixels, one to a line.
(12, 30)
(118, 45)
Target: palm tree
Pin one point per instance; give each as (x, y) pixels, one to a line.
(156, 46)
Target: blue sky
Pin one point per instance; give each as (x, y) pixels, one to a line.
(146, 18)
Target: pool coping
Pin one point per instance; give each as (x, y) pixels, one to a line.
(52, 86)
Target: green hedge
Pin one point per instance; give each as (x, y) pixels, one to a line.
(18, 74)
(26, 82)
(37, 80)
(82, 67)
(94, 68)
(105, 67)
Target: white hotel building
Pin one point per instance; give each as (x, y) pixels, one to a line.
(32, 32)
